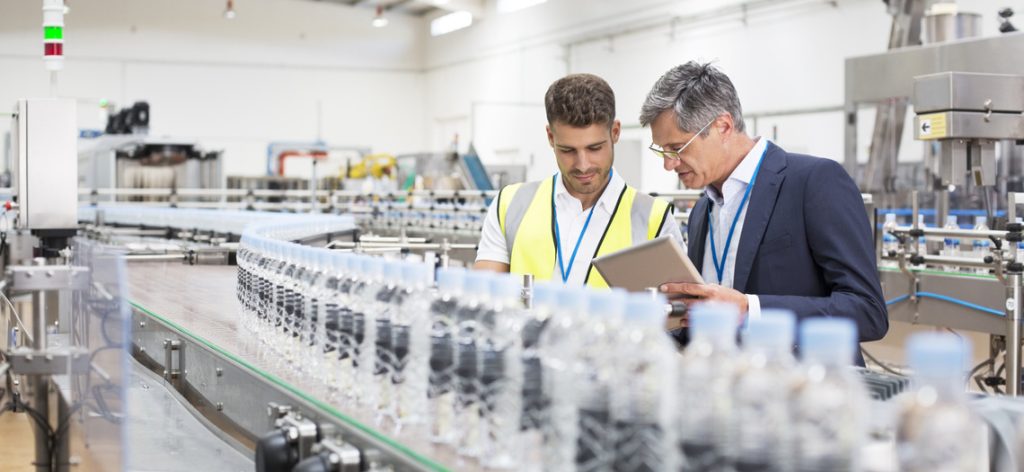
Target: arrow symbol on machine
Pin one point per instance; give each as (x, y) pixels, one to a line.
(926, 127)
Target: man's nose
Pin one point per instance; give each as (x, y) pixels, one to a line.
(669, 163)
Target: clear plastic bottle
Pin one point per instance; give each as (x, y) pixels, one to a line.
(332, 300)
(559, 346)
(937, 430)
(890, 244)
(593, 374)
(364, 328)
(388, 300)
(441, 392)
(762, 393)
(467, 376)
(980, 246)
(311, 287)
(643, 394)
(535, 400)
(410, 340)
(951, 245)
(501, 375)
(830, 400)
(706, 424)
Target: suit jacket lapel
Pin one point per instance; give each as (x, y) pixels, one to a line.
(697, 232)
(759, 212)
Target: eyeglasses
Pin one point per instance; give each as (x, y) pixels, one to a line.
(674, 155)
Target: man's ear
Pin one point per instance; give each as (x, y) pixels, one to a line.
(551, 136)
(616, 131)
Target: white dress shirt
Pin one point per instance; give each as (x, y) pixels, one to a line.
(722, 213)
(571, 217)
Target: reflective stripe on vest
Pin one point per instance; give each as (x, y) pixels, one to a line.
(524, 215)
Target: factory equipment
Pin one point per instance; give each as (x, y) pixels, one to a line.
(125, 156)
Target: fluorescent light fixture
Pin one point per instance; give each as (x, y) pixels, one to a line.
(453, 21)
(505, 6)
(379, 20)
(229, 12)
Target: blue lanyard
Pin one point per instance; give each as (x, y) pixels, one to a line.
(558, 237)
(720, 267)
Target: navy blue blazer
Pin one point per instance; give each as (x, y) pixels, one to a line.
(806, 244)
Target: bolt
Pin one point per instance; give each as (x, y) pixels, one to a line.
(142, 324)
(220, 372)
(220, 406)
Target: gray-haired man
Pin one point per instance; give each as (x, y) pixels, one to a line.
(773, 229)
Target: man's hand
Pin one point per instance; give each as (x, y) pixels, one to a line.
(708, 292)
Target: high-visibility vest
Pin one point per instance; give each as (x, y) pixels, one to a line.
(525, 218)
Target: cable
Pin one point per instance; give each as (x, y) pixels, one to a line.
(955, 301)
(16, 316)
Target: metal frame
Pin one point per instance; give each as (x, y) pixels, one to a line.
(234, 396)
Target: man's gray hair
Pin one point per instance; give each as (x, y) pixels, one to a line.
(697, 93)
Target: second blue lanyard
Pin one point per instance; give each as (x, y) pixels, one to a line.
(720, 265)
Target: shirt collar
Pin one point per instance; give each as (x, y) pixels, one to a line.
(607, 200)
(741, 175)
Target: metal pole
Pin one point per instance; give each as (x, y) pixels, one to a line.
(1013, 301)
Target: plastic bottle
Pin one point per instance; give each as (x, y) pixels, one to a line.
(643, 394)
(890, 244)
(332, 300)
(980, 246)
(311, 285)
(467, 378)
(594, 373)
(830, 400)
(559, 344)
(364, 327)
(535, 400)
(386, 304)
(762, 389)
(951, 245)
(441, 391)
(937, 430)
(410, 338)
(501, 375)
(705, 384)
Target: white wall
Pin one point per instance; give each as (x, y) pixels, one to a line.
(783, 57)
(233, 85)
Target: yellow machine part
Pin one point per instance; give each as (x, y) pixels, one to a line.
(374, 165)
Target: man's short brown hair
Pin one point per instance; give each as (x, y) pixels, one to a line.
(580, 100)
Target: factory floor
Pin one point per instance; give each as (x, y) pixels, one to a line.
(17, 445)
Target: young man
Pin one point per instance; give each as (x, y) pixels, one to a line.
(554, 228)
(773, 229)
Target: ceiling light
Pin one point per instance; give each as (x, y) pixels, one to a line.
(505, 6)
(451, 22)
(379, 20)
(229, 12)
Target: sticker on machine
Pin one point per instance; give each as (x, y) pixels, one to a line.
(931, 126)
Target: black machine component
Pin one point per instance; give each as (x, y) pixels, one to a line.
(131, 120)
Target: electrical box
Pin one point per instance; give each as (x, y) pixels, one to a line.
(45, 173)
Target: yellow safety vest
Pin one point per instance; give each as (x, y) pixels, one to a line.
(525, 218)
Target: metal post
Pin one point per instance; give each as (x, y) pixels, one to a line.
(1013, 301)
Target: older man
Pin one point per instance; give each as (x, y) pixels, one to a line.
(773, 229)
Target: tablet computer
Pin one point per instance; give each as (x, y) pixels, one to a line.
(655, 262)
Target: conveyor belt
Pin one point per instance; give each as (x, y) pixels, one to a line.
(227, 375)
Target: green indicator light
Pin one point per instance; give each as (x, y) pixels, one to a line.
(53, 32)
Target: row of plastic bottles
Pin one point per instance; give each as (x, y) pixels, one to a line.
(583, 380)
(951, 246)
